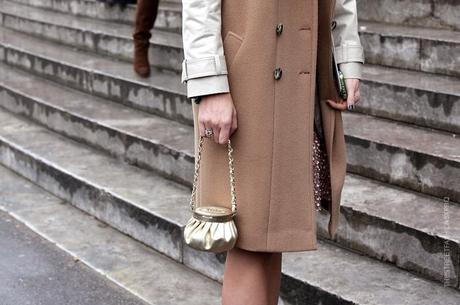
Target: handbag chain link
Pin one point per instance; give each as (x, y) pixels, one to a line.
(232, 175)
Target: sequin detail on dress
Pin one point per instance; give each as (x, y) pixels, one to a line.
(321, 174)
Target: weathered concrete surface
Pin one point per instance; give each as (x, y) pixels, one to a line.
(404, 228)
(414, 48)
(137, 202)
(420, 159)
(107, 121)
(102, 186)
(47, 276)
(425, 13)
(402, 46)
(83, 118)
(410, 179)
(425, 99)
(168, 17)
(161, 94)
(400, 226)
(90, 34)
(366, 282)
(137, 137)
(306, 275)
(386, 92)
(443, 14)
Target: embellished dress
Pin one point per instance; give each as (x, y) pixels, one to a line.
(321, 173)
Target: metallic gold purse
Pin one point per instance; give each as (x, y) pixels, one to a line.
(212, 228)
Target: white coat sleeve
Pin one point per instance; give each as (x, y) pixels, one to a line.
(348, 50)
(204, 68)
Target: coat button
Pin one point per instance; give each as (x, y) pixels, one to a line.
(333, 24)
(277, 73)
(279, 28)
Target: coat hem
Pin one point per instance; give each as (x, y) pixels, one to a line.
(305, 241)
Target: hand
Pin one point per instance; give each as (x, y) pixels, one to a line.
(218, 112)
(353, 96)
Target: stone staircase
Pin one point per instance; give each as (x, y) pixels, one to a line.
(79, 123)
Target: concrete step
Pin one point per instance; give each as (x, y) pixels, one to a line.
(420, 98)
(145, 140)
(121, 195)
(168, 17)
(161, 94)
(129, 264)
(113, 82)
(440, 14)
(166, 147)
(435, 14)
(108, 38)
(401, 227)
(137, 202)
(421, 159)
(413, 48)
(99, 185)
(386, 92)
(393, 157)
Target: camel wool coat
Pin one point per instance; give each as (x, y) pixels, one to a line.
(271, 55)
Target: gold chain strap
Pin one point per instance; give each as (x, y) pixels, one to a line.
(232, 175)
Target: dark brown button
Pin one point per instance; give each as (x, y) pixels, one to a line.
(333, 24)
(277, 73)
(279, 28)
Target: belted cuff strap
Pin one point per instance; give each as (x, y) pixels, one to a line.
(204, 66)
(351, 69)
(207, 85)
(347, 53)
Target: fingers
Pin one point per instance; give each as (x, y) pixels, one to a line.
(341, 105)
(224, 132)
(353, 97)
(218, 113)
(201, 127)
(216, 131)
(227, 127)
(353, 91)
(234, 122)
(357, 95)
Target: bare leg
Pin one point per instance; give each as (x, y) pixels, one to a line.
(274, 277)
(249, 278)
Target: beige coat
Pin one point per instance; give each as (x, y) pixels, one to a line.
(235, 46)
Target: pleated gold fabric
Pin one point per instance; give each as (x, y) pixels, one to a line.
(210, 236)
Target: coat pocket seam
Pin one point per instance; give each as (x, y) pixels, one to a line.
(239, 40)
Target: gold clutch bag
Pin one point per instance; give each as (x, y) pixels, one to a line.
(211, 227)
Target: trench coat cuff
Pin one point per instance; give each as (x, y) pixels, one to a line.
(351, 69)
(203, 66)
(207, 85)
(348, 52)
